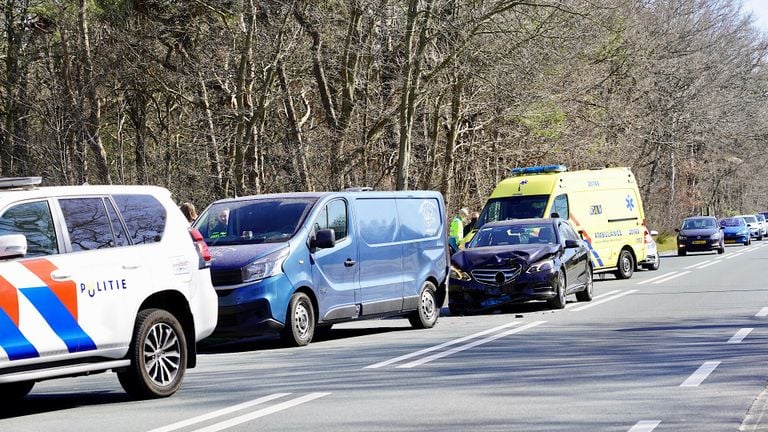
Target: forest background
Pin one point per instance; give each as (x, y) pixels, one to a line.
(222, 98)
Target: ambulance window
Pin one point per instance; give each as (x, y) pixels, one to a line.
(144, 217)
(87, 223)
(33, 219)
(560, 206)
(121, 237)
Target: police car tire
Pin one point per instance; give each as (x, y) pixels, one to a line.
(299, 321)
(428, 311)
(136, 380)
(625, 273)
(12, 392)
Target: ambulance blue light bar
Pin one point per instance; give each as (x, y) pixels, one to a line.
(542, 169)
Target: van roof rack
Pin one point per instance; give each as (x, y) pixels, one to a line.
(541, 169)
(19, 182)
(358, 189)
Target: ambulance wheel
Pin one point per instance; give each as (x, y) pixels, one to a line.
(299, 321)
(558, 301)
(158, 355)
(13, 392)
(585, 295)
(425, 316)
(626, 265)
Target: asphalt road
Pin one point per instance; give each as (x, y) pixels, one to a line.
(679, 349)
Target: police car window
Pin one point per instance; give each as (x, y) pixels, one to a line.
(121, 236)
(560, 206)
(87, 222)
(144, 217)
(33, 219)
(337, 218)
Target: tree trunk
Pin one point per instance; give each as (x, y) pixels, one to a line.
(210, 137)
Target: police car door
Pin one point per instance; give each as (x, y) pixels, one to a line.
(107, 274)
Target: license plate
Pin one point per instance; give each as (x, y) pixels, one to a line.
(699, 242)
(730, 241)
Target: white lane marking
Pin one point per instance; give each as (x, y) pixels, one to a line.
(708, 264)
(604, 294)
(696, 265)
(655, 278)
(442, 345)
(752, 249)
(595, 303)
(763, 312)
(645, 426)
(261, 413)
(734, 255)
(701, 374)
(740, 335)
(469, 345)
(219, 413)
(671, 277)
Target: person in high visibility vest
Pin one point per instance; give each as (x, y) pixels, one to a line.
(456, 229)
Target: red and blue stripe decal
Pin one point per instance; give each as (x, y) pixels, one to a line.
(588, 240)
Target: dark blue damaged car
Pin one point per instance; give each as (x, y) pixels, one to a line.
(519, 260)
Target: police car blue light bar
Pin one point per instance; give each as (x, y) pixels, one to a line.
(542, 169)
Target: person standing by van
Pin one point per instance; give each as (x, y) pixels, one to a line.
(456, 229)
(189, 211)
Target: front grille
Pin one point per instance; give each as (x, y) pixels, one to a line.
(226, 277)
(497, 276)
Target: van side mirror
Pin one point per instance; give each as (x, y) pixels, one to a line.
(323, 239)
(13, 246)
(572, 244)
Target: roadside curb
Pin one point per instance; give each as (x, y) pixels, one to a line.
(756, 419)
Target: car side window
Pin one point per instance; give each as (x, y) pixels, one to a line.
(144, 217)
(34, 220)
(87, 223)
(334, 216)
(121, 236)
(567, 231)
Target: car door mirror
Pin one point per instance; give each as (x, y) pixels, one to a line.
(572, 244)
(13, 246)
(323, 239)
(677, 230)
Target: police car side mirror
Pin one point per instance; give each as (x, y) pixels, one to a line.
(323, 239)
(13, 246)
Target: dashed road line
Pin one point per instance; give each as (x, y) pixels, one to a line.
(219, 413)
(697, 264)
(261, 413)
(656, 278)
(605, 300)
(734, 255)
(645, 426)
(469, 345)
(667, 279)
(701, 374)
(763, 312)
(740, 335)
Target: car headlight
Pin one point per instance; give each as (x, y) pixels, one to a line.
(459, 274)
(265, 267)
(715, 236)
(544, 265)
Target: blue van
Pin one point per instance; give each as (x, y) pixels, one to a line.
(297, 263)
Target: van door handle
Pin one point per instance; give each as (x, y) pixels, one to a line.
(349, 262)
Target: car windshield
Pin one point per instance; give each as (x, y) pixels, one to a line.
(268, 220)
(760, 217)
(732, 222)
(517, 207)
(750, 219)
(702, 223)
(502, 235)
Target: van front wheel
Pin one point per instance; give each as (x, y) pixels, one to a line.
(626, 265)
(299, 321)
(425, 316)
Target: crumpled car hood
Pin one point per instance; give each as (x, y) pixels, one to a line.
(497, 256)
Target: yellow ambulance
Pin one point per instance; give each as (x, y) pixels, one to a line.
(603, 205)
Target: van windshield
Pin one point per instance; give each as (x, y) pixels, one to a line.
(516, 207)
(268, 220)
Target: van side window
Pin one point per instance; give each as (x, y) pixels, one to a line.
(419, 218)
(87, 222)
(144, 217)
(560, 206)
(334, 216)
(33, 219)
(377, 220)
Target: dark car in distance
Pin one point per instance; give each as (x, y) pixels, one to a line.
(700, 234)
(519, 260)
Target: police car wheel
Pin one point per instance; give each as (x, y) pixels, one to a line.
(425, 316)
(158, 355)
(558, 301)
(299, 321)
(626, 265)
(585, 295)
(12, 392)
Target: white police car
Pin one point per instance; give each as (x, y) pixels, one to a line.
(98, 278)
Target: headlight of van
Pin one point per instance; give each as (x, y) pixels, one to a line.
(265, 267)
(459, 274)
(545, 265)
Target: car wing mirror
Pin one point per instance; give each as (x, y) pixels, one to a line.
(13, 246)
(323, 239)
(572, 244)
